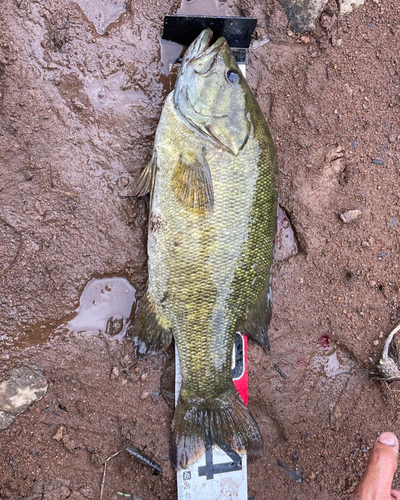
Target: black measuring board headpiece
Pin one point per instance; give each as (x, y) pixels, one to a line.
(184, 29)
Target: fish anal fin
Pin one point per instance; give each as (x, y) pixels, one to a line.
(192, 184)
(151, 331)
(225, 421)
(259, 316)
(145, 184)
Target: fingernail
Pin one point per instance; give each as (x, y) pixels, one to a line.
(387, 438)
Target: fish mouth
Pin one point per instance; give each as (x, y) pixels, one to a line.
(201, 46)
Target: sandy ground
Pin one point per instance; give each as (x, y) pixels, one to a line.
(82, 86)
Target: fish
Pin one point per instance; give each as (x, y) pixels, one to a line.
(212, 181)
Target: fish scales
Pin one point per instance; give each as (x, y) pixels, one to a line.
(212, 222)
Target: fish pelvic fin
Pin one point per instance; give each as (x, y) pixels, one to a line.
(192, 184)
(151, 331)
(225, 421)
(145, 184)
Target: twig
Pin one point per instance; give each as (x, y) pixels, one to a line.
(144, 459)
(103, 481)
(137, 454)
(281, 373)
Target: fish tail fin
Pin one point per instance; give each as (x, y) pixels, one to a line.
(225, 421)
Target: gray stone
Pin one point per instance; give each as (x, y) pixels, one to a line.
(19, 392)
(303, 14)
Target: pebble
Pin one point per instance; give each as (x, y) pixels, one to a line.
(21, 390)
(350, 215)
(114, 373)
(375, 342)
(144, 395)
(59, 433)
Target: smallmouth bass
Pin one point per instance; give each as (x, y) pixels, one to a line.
(213, 204)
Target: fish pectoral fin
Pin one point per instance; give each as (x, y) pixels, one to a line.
(258, 318)
(145, 184)
(225, 421)
(151, 331)
(192, 185)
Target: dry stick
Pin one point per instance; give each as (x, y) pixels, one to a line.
(137, 454)
(103, 481)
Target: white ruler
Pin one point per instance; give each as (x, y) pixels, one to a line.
(217, 475)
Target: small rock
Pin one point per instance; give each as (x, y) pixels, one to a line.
(114, 373)
(336, 42)
(327, 21)
(144, 376)
(59, 433)
(376, 342)
(350, 215)
(19, 392)
(144, 395)
(337, 166)
(347, 6)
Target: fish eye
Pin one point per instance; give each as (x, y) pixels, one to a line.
(233, 76)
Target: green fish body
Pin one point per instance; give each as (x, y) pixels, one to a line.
(212, 182)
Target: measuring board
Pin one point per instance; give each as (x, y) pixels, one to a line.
(218, 474)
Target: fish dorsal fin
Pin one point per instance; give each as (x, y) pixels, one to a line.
(192, 184)
(145, 184)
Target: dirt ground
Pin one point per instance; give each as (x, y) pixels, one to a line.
(81, 89)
